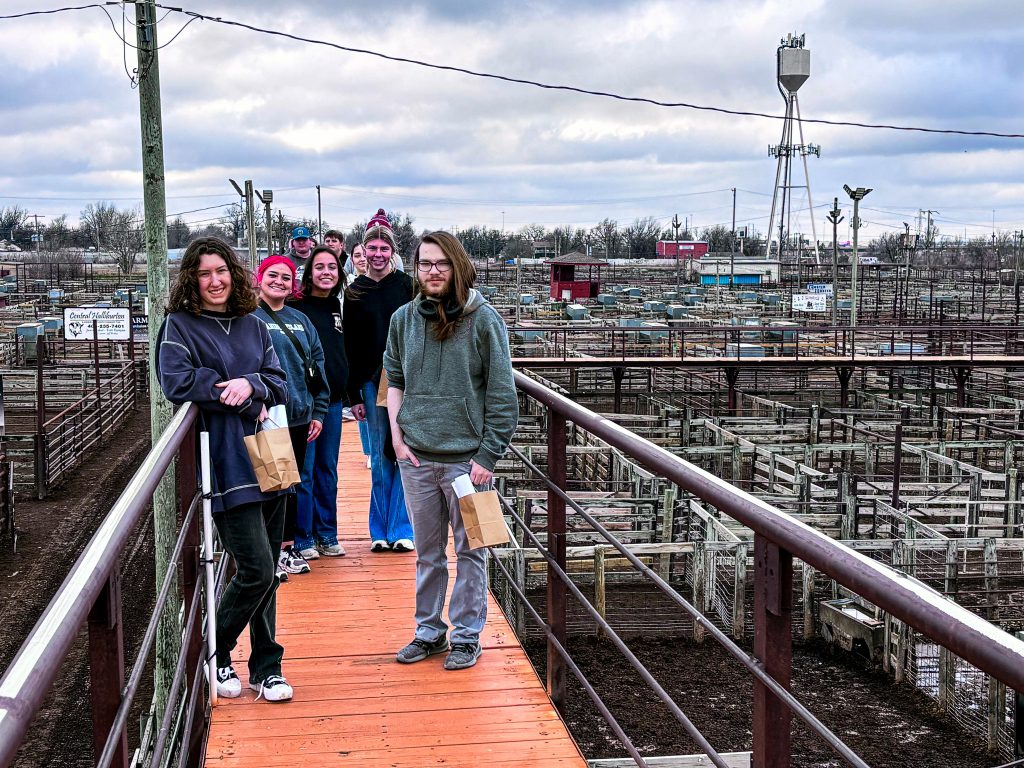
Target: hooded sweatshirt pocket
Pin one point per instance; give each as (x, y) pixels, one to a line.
(438, 424)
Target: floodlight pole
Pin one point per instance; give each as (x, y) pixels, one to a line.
(834, 218)
(856, 195)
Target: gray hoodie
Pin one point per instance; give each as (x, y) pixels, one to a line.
(460, 398)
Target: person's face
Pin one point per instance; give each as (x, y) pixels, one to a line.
(325, 274)
(214, 282)
(276, 284)
(434, 270)
(335, 244)
(359, 260)
(302, 246)
(378, 257)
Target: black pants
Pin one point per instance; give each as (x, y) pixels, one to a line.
(251, 534)
(299, 434)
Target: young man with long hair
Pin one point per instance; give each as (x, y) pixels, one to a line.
(453, 408)
(214, 352)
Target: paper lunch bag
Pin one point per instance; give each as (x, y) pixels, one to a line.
(482, 517)
(273, 459)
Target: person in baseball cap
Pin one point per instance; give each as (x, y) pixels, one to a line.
(301, 246)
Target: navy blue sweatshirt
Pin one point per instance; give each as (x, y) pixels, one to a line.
(369, 306)
(302, 406)
(194, 353)
(325, 314)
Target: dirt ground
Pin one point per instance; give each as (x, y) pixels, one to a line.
(888, 725)
(53, 534)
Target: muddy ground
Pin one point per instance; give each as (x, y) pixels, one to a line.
(52, 534)
(888, 725)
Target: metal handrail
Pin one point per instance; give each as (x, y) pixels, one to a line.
(968, 636)
(27, 681)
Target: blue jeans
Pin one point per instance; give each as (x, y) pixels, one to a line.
(435, 507)
(316, 519)
(364, 437)
(251, 534)
(388, 519)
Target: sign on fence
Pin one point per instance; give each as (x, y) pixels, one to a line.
(809, 302)
(112, 324)
(825, 288)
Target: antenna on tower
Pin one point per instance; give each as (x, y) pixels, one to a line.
(793, 67)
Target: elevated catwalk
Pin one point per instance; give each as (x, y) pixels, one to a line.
(354, 705)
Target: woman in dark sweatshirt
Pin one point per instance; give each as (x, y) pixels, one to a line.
(369, 303)
(323, 283)
(214, 352)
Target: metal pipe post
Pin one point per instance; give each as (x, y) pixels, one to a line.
(556, 592)
(106, 668)
(773, 606)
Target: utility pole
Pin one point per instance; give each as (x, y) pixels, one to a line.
(165, 511)
(834, 218)
(37, 236)
(267, 198)
(675, 226)
(319, 218)
(247, 196)
(856, 195)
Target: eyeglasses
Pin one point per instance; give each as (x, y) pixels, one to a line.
(442, 266)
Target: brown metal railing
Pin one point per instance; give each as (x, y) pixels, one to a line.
(91, 594)
(686, 342)
(778, 539)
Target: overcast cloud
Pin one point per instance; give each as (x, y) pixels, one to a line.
(453, 150)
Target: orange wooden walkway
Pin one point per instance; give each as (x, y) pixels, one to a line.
(354, 704)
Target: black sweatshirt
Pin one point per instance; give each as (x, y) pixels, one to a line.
(369, 306)
(325, 315)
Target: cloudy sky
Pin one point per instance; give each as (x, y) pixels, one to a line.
(456, 150)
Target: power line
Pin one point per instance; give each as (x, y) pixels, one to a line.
(524, 81)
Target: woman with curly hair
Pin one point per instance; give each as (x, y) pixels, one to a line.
(214, 352)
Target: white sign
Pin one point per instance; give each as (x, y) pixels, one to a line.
(111, 324)
(809, 302)
(825, 288)
(868, 259)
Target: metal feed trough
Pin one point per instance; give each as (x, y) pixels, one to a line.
(845, 622)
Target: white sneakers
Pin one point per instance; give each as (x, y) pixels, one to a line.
(228, 684)
(273, 688)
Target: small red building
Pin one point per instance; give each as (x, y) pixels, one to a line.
(575, 276)
(688, 249)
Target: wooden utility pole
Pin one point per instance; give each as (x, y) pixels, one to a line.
(155, 207)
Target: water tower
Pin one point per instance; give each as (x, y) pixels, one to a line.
(793, 67)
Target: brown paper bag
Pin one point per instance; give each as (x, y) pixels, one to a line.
(482, 517)
(273, 459)
(382, 390)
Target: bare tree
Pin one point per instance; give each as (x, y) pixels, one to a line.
(642, 237)
(179, 233)
(607, 233)
(99, 220)
(533, 232)
(12, 220)
(125, 239)
(405, 235)
(57, 235)
(519, 247)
